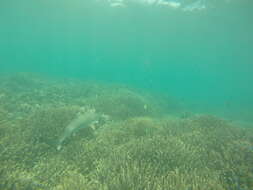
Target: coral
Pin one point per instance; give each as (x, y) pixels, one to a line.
(141, 147)
(124, 104)
(74, 180)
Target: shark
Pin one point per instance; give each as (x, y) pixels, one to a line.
(87, 119)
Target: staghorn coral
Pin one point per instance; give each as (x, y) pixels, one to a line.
(123, 104)
(138, 149)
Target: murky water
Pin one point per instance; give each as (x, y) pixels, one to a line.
(160, 70)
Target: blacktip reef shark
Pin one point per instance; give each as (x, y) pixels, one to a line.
(88, 119)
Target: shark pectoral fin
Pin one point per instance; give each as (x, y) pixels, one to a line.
(58, 147)
(92, 126)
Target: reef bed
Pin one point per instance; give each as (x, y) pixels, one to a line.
(140, 146)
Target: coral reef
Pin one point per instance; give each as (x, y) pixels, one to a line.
(141, 146)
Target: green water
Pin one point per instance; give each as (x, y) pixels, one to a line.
(203, 58)
(138, 96)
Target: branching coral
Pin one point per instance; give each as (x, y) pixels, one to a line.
(140, 148)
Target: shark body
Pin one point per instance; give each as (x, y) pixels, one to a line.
(82, 121)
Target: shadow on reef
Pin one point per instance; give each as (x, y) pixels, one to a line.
(141, 146)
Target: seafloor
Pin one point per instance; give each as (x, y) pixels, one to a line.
(141, 146)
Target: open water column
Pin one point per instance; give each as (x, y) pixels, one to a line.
(196, 50)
